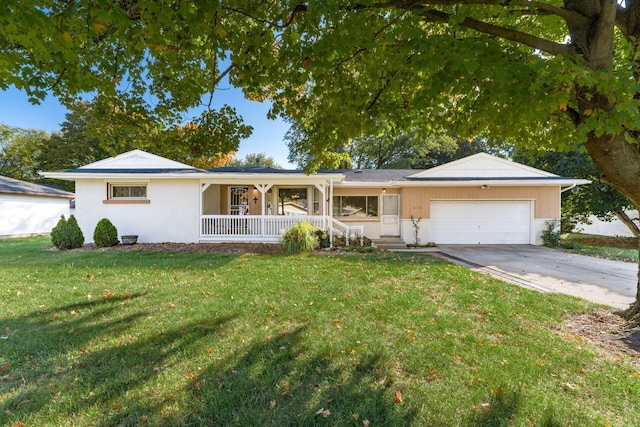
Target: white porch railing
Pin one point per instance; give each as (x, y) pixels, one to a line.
(257, 228)
(348, 231)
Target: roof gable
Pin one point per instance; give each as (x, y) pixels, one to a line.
(482, 165)
(136, 159)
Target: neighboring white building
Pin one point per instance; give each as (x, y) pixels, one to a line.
(29, 209)
(615, 227)
(478, 199)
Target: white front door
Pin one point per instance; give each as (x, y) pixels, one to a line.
(390, 218)
(238, 200)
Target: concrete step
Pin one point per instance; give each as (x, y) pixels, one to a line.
(389, 243)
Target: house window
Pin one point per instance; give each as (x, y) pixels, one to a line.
(128, 192)
(293, 201)
(355, 206)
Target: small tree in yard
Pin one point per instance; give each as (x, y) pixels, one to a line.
(105, 234)
(67, 234)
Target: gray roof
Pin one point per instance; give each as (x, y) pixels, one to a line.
(253, 169)
(133, 170)
(15, 186)
(354, 175)
(378, 175)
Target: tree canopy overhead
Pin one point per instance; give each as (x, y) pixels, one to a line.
(538, 73)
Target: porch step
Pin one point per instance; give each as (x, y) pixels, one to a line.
(389, 243)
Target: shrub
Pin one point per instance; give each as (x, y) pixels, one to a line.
(67, 234)
(551, 234)
(323, 238)
(105, 234)
(57, 231)
(301, 237)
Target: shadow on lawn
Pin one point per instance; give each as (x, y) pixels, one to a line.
(273, 382)
(500, 410)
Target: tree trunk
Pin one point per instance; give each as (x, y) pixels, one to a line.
(617, 159)
(632, 226)
(619, 162)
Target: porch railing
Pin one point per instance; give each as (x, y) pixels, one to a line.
(348, 231)
(253, 227)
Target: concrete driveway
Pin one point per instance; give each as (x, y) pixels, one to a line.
(549, 270)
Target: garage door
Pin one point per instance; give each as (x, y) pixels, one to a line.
(480, 222)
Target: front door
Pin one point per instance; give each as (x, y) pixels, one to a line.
(238, 200)
(390, 219)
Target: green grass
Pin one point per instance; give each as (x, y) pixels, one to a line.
(111, 338)
(616, 248)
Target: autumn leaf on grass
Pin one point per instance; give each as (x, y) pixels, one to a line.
(273, 404)
(397, 398)
(99, 27)
(5, 367)
(324, 412)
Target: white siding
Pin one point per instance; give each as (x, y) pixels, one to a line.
(172, 214)
(27, 215)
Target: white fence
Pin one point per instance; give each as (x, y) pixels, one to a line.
(255, 228)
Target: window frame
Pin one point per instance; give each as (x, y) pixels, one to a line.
(337, 204)
(112, 185)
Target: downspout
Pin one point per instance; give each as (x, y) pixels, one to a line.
(568, 188)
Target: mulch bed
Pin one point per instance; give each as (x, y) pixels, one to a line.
(607, 332)
(611, 242)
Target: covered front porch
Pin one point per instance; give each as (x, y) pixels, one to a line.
(258, 208)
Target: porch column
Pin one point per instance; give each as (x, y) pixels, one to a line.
(263, 188)
(323, 190)
(201, 227)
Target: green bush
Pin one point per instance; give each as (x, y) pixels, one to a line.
(67, 234)
(301, 237)
(105, 234)
(323, 238)
(551, 234)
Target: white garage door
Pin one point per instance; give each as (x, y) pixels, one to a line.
(480, 222)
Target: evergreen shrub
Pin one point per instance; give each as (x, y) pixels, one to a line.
(67, 234)
(105, 234)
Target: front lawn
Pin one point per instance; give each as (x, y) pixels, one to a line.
(106, 338)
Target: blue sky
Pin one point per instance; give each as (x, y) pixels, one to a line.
(267, 137)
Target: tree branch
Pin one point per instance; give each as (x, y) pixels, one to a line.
(544, 45)
(216, 81)
(547, 8)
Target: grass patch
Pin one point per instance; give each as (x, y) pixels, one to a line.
(163, 338)
(616, 248)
